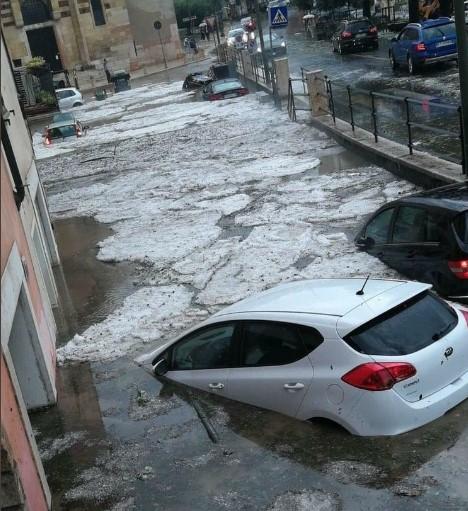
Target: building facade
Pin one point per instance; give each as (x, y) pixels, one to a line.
(77, 34)
(28, 295)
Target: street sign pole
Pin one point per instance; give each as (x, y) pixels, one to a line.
(157, 26)
(262, 42)
(462, 45)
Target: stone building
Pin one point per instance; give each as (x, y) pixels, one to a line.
(77, 34)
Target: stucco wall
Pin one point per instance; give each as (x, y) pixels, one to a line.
(15, 431)
(12, 231)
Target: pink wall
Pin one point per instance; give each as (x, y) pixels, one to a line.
(12, 423)
(12, 231)
(18, 444)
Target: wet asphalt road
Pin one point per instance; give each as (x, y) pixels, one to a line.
(367, 69)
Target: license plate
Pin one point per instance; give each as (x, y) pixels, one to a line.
(360, 36)
(444, 43)
(230, 95)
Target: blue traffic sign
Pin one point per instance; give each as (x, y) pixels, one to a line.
(278, 16)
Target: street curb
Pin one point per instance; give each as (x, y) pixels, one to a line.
(420, 168)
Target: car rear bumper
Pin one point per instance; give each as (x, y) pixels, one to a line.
(359, 43)
(441, 58)
(386, 413)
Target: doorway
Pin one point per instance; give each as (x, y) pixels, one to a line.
(43, 43)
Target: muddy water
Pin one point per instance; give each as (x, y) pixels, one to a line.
(89, 289)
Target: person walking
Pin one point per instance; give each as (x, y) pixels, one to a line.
(107, 71)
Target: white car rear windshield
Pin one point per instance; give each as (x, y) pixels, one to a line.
(410, 327)
(223, 87)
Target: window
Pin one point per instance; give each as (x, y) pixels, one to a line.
(66, 93)
(358, 25)
(267, 343)
(410, 327)
(61, 132)
(98, 12)
(378, 227)
(411, 34)
(461, 226)
(416, 225)
(447, 30)
(209, 348)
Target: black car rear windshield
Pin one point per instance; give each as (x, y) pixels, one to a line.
(358, 25)
(439, 31)
(461, 226)
(410, 327)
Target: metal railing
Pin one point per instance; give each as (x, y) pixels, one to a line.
(292, 107)
(425, 124)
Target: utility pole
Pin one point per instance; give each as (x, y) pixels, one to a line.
(462, 45)
(262, 43)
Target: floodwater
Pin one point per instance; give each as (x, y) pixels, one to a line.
(119, 439)
(89, 289)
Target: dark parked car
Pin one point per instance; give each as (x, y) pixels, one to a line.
(425, 237)
(224, 89)
(220, 72)
(424, 43)
(196, 80)
(356, 34)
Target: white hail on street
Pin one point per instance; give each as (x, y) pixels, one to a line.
(378, 359)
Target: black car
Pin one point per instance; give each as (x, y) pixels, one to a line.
(425, 237)
(355, 34)
(195, 81)
(224, 89)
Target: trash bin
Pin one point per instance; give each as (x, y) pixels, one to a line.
(120, 79)
(101, 94)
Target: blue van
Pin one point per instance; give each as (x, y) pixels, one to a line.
(424, 43)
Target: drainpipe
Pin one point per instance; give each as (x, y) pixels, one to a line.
(15, 173)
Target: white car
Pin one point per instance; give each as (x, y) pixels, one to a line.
(68, 98)
(379, 357)
(237, 38)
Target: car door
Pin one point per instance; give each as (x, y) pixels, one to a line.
(202, 358)
(273, 370)
(375, 236)
(404, 44)
(417, 248)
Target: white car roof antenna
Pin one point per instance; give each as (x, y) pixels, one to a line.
(361, 291)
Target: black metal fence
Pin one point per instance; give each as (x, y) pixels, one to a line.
(419, 122)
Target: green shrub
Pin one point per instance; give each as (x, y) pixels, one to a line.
(45, 97)
(35, 63)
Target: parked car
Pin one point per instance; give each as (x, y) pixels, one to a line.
(68, 98)
(378, 357)
(220, 72)
(236, 39)
(275, 48)
(58, 131)
(224, 89)
(421, 44)
(358, 34)
(425, 237)
(196, 80)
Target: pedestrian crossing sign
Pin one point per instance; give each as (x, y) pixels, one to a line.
(278, 16)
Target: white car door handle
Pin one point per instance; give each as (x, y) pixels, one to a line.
(216, 386)
(293, 386)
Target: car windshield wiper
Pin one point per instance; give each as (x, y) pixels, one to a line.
(438, 335)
